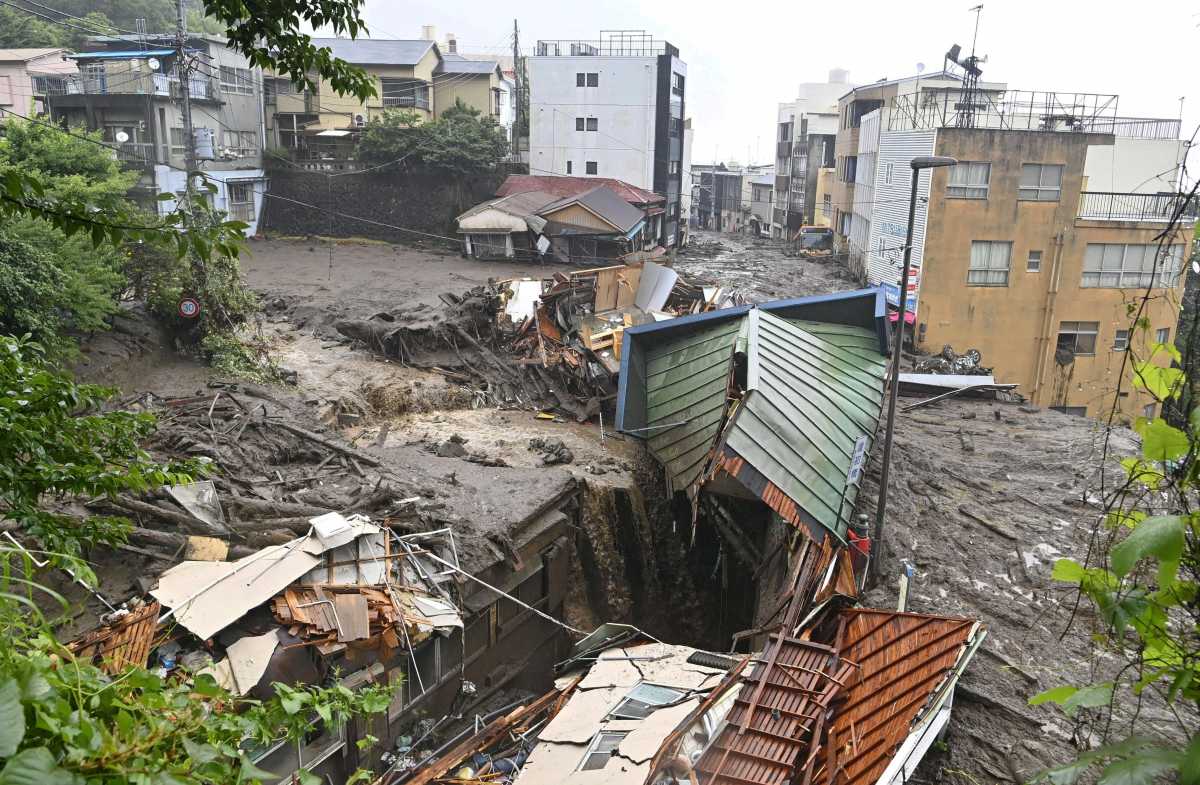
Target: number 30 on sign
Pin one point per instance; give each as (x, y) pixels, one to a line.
(189, 308)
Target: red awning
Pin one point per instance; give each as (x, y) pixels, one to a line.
(909, 316)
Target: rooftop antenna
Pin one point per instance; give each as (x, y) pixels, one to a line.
(968, 103)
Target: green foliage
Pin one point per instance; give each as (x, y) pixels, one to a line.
(460, 143)
(30, 288)
(230, 355)
(53, 443)
(1145, 585)
(66, 721)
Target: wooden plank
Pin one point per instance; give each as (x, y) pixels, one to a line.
(627, 285)
(353, 619)
(606, 289)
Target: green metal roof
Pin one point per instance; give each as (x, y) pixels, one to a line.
(686, 380)
(814, 390)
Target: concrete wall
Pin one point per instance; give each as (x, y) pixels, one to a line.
(474, 90)
(424, 203)
(169, 180)
(1134, 166)
(1016, 326)
(624, 103)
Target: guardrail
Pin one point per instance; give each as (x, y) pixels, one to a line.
(1111, 206)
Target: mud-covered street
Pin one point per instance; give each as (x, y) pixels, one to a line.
(763, 269)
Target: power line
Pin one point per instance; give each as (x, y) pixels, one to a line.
(82, 19)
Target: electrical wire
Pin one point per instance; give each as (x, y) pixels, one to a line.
(82, 19)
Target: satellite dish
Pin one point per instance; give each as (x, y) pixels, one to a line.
(920, 68)
(153, 64)
(1196, 268)
(122, 137)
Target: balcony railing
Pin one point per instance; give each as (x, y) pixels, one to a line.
(783, 149)
(634, 45)
(1106, 206)
(132, 84)
(134, 153)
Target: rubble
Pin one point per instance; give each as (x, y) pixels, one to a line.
(950, 362)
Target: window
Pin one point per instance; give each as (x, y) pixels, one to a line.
(969, 180)
(177, 145)
(1078, 337)
(643, 700)
(675, 126)
(237, 80)
(887, 172)
(593, 80)
(589, 167)
(404, 92)
(849, 168)
(1040, 182)
(593, 124)
(989, 263)
(1149, 411)
(241, 202)
(1162, 335)
(672, 167)
(1075, 411)
(578, 123)
(600, 751)
(579, 79)
(1034, 263)
(1122, 266)
(846, 217)
(1121, 341)
(489, 246)
(568, 167)
(240, 143)
(676, 83)
(827, 205)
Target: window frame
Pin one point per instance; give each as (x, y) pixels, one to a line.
(1120, 341)
(579, 123)
(593, 749)
(580, 78)
(592, 79)
(888, 171)
(1032, 266)
(568, 167)
(236, 80)
(1162, 335)
(969, 189)
(591, 167)
(1074, 411)
(1036, 193)
(1094, 273)
(1077, 329)
(592, 124)
(985, 276)
(650, 705)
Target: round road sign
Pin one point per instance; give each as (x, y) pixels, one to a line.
(189, 308)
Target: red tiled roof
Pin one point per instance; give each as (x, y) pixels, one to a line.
(563, 187)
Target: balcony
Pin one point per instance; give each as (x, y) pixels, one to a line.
(1160, 208)
(137, 154)
(783, 149)
(617, 44)
(164, 85)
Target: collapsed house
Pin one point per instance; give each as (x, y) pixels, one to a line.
(571, 220)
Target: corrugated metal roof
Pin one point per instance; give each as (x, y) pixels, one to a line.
(813, 391)
(604, 202)
(374, 51)
(562, 186)
(461, 65)
(686, 380)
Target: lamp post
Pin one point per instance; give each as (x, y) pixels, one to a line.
(917, 164)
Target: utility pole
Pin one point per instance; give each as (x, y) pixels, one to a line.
(516, 127)
(185, 93)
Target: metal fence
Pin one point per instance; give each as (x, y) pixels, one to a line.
(1108, 206)
(1023, 110)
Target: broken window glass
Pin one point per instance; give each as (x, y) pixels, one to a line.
(604, 745)
(643, 700)
(1078, 337)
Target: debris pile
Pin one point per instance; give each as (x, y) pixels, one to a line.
(948, 362)
(550, 344)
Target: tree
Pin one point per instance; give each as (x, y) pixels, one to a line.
(1142, 575)
(460, 143)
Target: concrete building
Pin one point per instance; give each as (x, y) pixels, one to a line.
(687, 195)
(805, 134)
(612, 107)
(128, 89)
(761, 198)
(1030, 248)
(27, 76)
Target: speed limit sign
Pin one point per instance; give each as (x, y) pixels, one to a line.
(189, 308)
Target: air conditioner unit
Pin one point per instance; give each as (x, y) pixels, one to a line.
(359, 121)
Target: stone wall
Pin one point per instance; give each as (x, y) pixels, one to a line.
(424, 204)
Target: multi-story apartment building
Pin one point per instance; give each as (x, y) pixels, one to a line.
(1032, 246)
(28, 75)
(805, 134)
(612, 107)
(850, 173)
(128, 88)
(320, 129)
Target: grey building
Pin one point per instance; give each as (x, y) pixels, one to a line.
(128, 88)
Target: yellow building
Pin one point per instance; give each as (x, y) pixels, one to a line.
(1035, 246)
(322, 126)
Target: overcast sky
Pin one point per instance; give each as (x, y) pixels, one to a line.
(744, 59)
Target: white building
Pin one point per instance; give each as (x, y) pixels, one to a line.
(805, 134)
(687, 184)
(612, 107)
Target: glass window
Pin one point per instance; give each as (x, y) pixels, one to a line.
(1163, 335)
(578, 123)
(593, 80)
(1078, 337)
(1121, 341)
(1034, 263)
(579, 77)
(593, 124)
(590, 167)
(643, 700)
(676, 83)
(1149, 411)
(826, 205)
(236, 80)
(604, 745)
(989, 263)
(1123, 266)
(1040, 182)
(969, 180)
(568, 167)
(1076, 411)
(241, 202)
(888, 170)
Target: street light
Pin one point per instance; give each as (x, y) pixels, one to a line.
(923, 162)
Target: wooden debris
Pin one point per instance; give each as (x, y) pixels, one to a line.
(125, 642)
